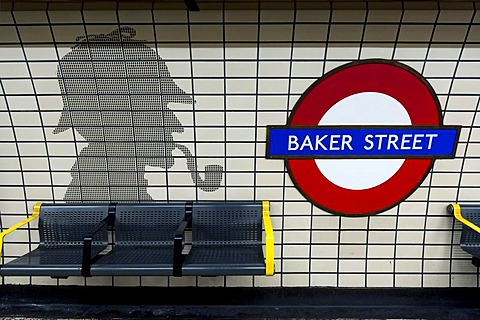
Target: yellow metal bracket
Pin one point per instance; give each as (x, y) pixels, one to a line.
(35, 214)
(269, 246)
(457, 211)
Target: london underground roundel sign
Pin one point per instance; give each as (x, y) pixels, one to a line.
(363, 137)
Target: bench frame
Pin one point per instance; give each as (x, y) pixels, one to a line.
(178, 238)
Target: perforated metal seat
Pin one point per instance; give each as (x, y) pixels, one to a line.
(62, 228)
(226, 239)
(144, 240)
(469, 215)
(470, 241)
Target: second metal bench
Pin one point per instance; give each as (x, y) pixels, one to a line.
(469, 216)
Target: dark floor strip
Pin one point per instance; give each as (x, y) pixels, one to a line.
(74, 302)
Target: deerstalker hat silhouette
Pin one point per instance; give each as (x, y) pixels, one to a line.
(106, 72)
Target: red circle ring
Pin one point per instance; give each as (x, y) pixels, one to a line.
(392, 78)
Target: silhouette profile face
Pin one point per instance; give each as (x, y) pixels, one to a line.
(116, 91)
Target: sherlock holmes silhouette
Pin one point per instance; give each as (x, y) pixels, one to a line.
(116, 92)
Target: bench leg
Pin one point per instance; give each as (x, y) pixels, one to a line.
(476, 262)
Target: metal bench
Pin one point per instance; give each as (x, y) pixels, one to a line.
(137, 239)
(469, 216)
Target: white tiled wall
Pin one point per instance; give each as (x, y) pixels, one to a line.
(246, 69)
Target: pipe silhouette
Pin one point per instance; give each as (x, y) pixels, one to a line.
(213, 172)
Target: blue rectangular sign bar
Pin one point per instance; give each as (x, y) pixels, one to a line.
(362, 142)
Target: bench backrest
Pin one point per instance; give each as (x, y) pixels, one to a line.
(230, 223)
(67, 224)
(471, 235)
(147, 224)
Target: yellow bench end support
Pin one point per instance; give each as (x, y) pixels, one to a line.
(457, 212)
(269, 248)
(35, 214)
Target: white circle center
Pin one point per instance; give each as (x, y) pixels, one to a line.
(366, 108)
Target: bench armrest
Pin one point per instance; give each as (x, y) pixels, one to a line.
(178, 244)
(87, 257)
(456, 210)
(35, 215)
(269, 241)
